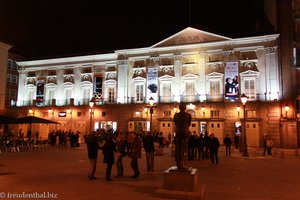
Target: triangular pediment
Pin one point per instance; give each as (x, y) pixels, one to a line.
(190, 36)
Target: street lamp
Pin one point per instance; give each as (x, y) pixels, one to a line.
(31, 112)
(175, 110)
(69, 112)
(91, 104)
(244, 99)
(151, 106)
(286, 108)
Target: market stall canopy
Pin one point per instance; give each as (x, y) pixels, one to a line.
(34, 120)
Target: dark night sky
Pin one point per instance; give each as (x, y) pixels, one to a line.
(45, 29)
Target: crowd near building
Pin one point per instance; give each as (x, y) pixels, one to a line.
(208, 72)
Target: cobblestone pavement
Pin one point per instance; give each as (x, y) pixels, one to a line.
(62, 174)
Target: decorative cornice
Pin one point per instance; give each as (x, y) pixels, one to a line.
(271, 49)
(122, 62)
(227, 52)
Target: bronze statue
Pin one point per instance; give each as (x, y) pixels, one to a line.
(182, 122)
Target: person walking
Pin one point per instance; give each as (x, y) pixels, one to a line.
(265, 144)
(200, 146)
(269, 145)
(228, 142)
(214, 145)
(121, 147)
(108, 155)
(92, 148)
(148, 143)
(135, 154)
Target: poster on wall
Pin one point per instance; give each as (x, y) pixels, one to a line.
(152, 84)
(40, 91)
(232, 80)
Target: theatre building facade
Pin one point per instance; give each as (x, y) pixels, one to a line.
(208, 72)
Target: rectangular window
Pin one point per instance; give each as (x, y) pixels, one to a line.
(15, 79)
(98, 85)
(86, 70)
(167, 113)
(68, 71)
(51, 72)
(163, 124)
(169, 125)
(9, 78)
(214, 88)
(190, 88)
(111, 95)
(7, 95)
(214, 113)
(31, 74)
(13, 94)
(15, 65)
(9, 64)
(166, 89)
(139, 93)
(250, 88)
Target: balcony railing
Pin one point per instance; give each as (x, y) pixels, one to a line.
(133, 100)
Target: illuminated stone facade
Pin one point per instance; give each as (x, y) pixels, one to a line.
(191, 66)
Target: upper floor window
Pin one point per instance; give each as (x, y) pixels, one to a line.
(249, 81)
(13, 94)
(15, 79)
(139, 92)
(31, 74)
(250, 88)
(9, 78)
(111, 94)
(10, 64)
(87, 70)
(215, 86)
(165, 95)
(51, 72)
(68, 71)
(98, 85)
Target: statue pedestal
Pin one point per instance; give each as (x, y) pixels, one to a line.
(183, 183)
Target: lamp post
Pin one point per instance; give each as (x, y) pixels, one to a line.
(69, 112)
(151, 106)
(244, 99)
(91, 104)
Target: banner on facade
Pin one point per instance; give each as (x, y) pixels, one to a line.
(231, 80)
(152, 84)
(40, 91)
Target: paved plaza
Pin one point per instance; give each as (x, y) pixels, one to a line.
(61, 173)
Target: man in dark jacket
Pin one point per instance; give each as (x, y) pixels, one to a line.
(214, 145)
(108, 155)
(148, 143)
(92, 147)
(228, 142)
(135, 154)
